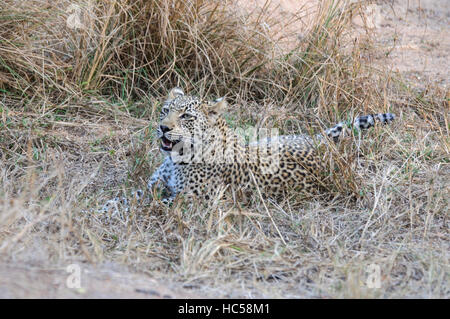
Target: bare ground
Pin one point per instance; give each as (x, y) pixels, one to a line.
(104, 281)
(413, 36)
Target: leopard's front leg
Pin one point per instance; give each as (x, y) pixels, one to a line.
(165, 173)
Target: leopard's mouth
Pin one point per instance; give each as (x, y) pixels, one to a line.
(168, 145)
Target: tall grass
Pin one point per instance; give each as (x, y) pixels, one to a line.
(135, 49)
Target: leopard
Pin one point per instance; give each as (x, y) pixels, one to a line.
(204, 155)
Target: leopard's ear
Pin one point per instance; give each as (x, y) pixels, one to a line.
(217, 108)
(175, 92)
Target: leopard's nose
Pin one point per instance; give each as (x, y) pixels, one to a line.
(164, 128)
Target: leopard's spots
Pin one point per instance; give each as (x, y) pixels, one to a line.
(220, 159)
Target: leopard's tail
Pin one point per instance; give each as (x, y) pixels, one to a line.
(360, 123)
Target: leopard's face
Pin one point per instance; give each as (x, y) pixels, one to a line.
(183, 119)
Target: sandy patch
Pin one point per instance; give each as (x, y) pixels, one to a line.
(412, 37)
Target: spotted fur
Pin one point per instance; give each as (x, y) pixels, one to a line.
(274, 164)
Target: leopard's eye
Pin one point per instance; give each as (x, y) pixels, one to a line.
(187, 116)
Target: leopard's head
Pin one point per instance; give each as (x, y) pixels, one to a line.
(185, 118)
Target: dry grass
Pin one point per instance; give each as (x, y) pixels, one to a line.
(78, 107)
